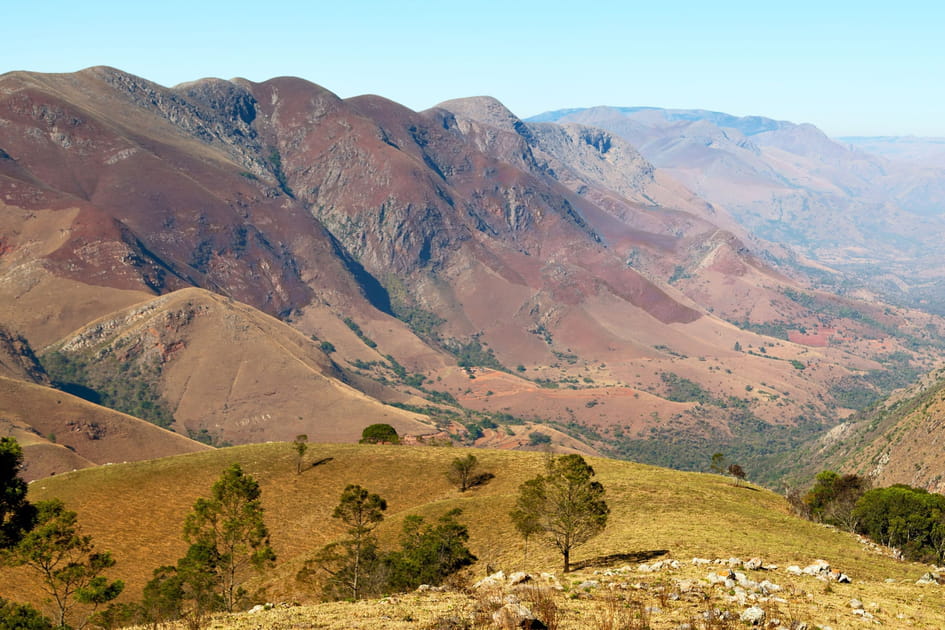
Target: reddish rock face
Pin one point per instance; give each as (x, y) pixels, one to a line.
(227, 186)
(558, 247)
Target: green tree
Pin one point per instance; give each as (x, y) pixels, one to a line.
(352, 564)
(526, 522)
(904, 517)
(187, 591)
(228, 534)
(462, 472)
(718, 463)
(15, 616)
(300, 445)
(833, 498)
(162, 600)
(70, 570)
(429, 553)
(17, 515)
(565, 505)
(379, 434)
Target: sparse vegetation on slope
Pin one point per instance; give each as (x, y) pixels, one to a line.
(688, 514)
(123, 385)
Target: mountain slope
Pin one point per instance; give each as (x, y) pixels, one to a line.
(898, 440)
(790, 183)
(536, 274)
(229, 372)
(60, 432)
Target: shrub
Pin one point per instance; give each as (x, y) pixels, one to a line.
(15, 616)
(429, 553)
(379, 434)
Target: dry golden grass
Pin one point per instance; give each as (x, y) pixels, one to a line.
(136, 510)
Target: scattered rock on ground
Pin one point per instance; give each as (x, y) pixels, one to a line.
(513, 615)
(754, 615)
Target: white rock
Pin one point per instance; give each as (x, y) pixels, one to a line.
(496, 579)
(519, 577)
(767, 587)
(754, 615)
(512, 616)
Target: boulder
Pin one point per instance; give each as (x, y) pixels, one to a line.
(754, 564)
(514, 615)
(817, 569)
(496, 579)
(754, 616)
(519, 577)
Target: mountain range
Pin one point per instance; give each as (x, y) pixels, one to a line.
(242, 262)
(869, 207)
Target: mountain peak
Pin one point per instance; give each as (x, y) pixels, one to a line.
(487, 110)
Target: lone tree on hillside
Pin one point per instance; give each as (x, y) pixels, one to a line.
(737, 472)
(300, 445)
(462, 473)
(564, 504)
(718, 464)
(70, 570)
(17, 515)
(228, 533)
(526, 521)
(352, 563)
(379, 434)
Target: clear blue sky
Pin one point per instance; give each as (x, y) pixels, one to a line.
(852, 68)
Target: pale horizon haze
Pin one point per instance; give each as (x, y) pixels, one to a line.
(864, 68)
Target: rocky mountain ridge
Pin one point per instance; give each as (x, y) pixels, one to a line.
(876, 218)
(488, 275)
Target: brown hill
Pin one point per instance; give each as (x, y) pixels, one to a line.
(229, 372)
(897, 441)
(60, 432)
(17, 359)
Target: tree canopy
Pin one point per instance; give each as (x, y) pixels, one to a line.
(70, 569)
(379, 434)
(565, 505)
(229, 532)
(17, 515)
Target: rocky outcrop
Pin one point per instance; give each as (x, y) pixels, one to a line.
(17, 359)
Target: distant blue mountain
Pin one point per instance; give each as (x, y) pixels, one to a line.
(748, 125)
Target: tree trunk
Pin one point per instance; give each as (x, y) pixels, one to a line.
(567, 560)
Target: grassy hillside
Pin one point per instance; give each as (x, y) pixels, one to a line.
(136, 510)
(60, 432)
